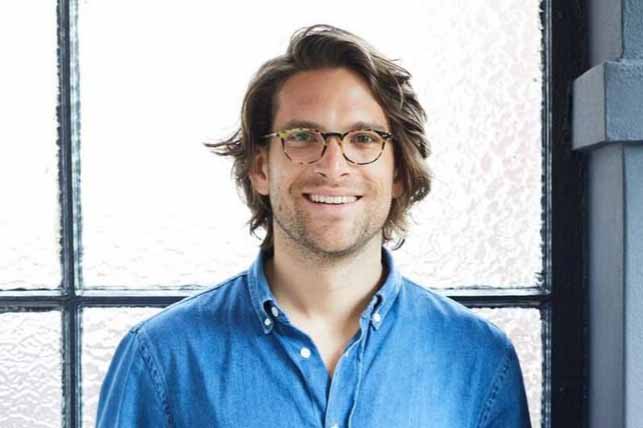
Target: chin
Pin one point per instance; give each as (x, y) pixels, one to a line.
(339, 247)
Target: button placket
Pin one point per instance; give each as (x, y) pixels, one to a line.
(344, 382)
(312, 373)
(360, 364)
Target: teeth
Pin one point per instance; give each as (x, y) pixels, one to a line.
(333, 199)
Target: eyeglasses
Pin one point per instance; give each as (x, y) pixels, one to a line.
(306, 146)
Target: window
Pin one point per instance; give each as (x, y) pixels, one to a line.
(123, 216)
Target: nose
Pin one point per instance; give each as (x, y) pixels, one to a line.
(332, 165)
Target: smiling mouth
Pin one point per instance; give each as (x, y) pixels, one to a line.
(331, 200)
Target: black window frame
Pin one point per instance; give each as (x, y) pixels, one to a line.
(563, 306)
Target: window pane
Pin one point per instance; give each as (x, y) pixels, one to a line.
(481, 226)
(31, 369)
(524, 328)
(103, 328)
(159, 210)
(30, 214)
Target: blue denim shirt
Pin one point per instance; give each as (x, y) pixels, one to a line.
(229, 357)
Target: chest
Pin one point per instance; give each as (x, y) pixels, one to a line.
(255, 390)
(330, 349)
(330, 342)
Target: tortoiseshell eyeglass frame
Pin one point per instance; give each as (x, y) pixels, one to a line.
(325, 135)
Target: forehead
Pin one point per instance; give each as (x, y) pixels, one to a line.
(334, 98)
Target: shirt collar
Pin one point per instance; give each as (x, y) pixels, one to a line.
(268, 312)
(387, 293)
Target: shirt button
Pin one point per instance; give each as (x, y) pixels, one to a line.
(267, 321)
(335, 426)
(275, 311)
(305, 352)
(377, 317)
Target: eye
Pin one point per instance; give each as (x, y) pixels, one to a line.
(301, 136)
(365, 137)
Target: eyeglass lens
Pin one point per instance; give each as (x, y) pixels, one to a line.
(360, 146)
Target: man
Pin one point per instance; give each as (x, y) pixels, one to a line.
(322, 330)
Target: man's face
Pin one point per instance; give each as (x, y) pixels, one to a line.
(330, 100)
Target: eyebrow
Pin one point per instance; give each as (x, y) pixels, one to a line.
(298, 123)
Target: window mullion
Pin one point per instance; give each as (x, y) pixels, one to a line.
(70, 339)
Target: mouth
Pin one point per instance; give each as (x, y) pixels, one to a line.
(331, 200)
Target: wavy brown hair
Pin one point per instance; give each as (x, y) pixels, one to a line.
(324, 46)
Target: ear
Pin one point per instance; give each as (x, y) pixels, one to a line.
(398, 186)
(258, 173)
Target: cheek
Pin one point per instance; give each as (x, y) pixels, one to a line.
(283, 183)
(386, 181)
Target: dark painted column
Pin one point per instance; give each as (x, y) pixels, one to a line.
(608, 125)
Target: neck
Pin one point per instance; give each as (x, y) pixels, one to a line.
(323, 288)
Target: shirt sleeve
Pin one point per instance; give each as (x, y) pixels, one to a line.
(132, 393)
(506, 402)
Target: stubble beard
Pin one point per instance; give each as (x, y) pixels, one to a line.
(306, 242)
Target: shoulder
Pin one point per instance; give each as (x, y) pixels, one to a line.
(201, 310)
(440, 316)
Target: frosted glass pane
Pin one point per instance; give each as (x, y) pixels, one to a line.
(30, 215)
(161, 211)
(30, 370)
(481, 226)
(103, 328)
(524, 328)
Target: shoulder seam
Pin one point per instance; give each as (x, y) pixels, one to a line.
(496, 383)
(158, 379)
